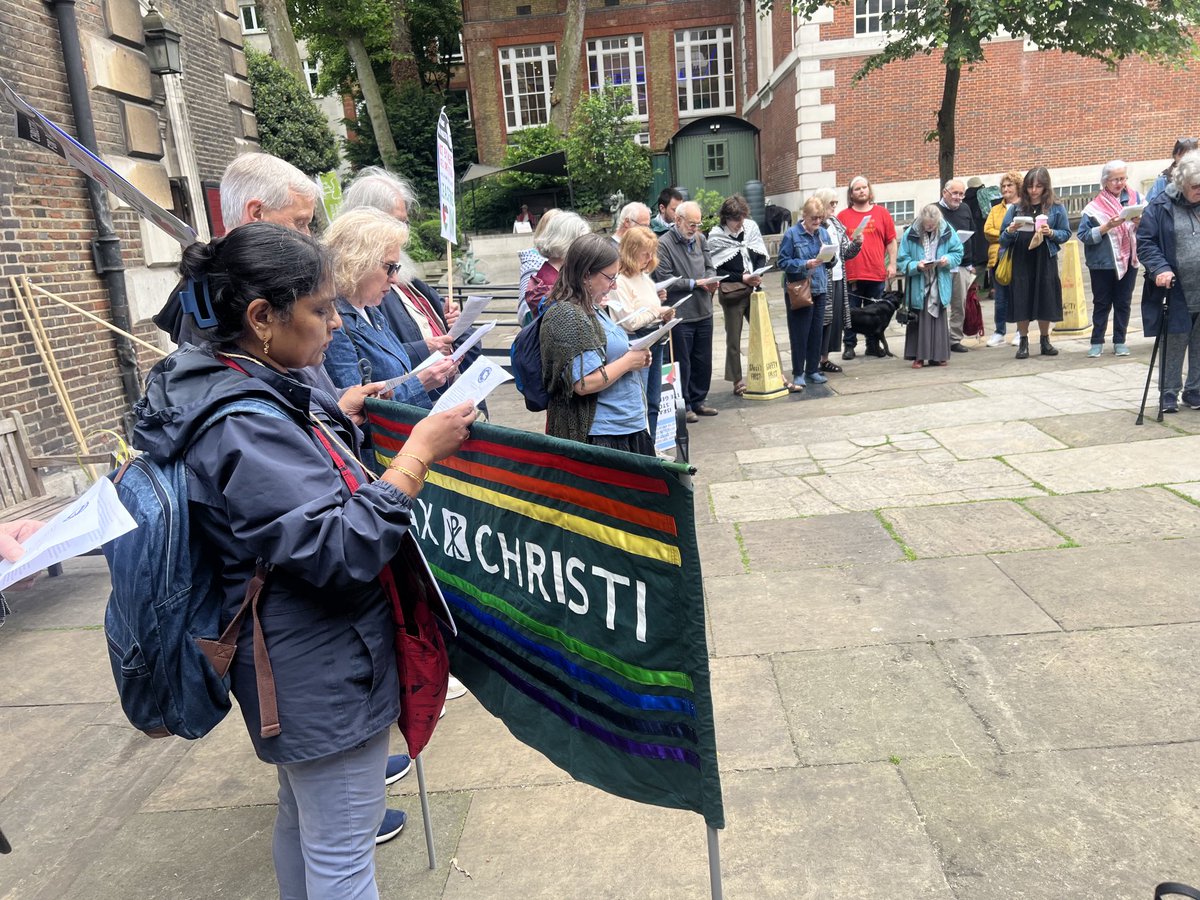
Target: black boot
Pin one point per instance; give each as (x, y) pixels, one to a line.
(1047, 348)
(1023, 347)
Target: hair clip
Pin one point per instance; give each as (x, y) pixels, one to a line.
(190, 299)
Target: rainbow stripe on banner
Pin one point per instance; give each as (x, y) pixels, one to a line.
(573, 575)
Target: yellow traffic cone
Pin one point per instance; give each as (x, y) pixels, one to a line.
(764, 377)
(1075, 312)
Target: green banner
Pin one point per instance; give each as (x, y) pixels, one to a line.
(573, 575)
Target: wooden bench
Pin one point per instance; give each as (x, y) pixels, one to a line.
(22, 494)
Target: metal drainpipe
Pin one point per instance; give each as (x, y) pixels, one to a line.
(106, 246)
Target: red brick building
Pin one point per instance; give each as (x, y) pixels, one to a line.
(169, 135)
(792, 82)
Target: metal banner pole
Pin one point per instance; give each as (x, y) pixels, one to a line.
(714, 864)
(425, 813)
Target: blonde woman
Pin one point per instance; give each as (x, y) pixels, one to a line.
(1010, 187)
(638, 307)
(366, 245)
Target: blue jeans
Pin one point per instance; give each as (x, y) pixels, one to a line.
(329, 812)
(1000, 292)
(805, 328)
(1111, 294)
(856, 293)
(692, 342)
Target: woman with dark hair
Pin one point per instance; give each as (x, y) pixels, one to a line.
(597, 395)
(1167, 176)
(264, 491)
(737, 249)
(1032, 231)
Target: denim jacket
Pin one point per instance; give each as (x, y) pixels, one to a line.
(796, 249)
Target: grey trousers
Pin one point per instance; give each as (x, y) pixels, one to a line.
(1178, 345)
(959, 282)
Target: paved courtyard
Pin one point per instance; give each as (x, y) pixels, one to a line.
(953, 627)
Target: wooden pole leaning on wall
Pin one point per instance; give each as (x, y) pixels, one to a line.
(99, 321)
(41, 341)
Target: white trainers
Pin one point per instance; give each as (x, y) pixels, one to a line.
(455, 689)
(996, 340)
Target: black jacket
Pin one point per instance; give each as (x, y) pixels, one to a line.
(260, 488)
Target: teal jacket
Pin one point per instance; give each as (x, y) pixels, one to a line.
(912, 251)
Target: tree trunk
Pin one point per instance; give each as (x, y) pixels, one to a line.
(566, 83)
(279, 31)
(945, 124)
(404, 62)
(373, 98)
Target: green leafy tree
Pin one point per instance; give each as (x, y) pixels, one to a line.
(1110, 31)
(290, 125)
(602, 153)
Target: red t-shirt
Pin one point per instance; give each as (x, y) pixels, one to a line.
(880, 231)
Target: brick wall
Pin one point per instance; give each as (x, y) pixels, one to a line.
(46, 222)
(490, 25)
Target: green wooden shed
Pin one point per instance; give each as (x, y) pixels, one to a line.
(716, 153)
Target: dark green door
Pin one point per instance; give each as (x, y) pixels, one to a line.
(721, 161)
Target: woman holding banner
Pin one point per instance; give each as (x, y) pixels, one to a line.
(366, 245)
(265, 493)
(594, 379)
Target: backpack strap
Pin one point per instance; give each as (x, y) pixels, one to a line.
(220, 652)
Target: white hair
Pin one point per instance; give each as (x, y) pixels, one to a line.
(687, 206)
(1187, 170)
(1113, 165)
(560, 233)
(378, 188)
(953, 181)
(630, 211)
(262, 177)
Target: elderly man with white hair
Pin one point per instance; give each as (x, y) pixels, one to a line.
(631, 216)
(958, 215)
(683, 252)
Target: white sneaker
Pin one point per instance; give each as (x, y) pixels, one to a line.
(996, 340)
(455, 689)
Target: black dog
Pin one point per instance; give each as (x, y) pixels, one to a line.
(872, 321)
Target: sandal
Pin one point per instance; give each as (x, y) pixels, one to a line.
(794, 388)
(827, 366)
(739, 389)
(917, 364)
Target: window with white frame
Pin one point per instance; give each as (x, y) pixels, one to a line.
(311, 74)
(527, 77)
(876, 16)
(902, 211)
(250, 22)
(621, 61)
(704, 70)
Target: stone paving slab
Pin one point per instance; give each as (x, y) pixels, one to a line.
(768, 499)
(836, 540)
(868, 704)
(963, 529)
(993, 439)
(919, 417)
(1107, 823)
(1113, 466)
(1094, 587)
(922, 484)
(1188, 489)
(1082, 689)
(32, 667)
(524, 842)
(1091, 429)
(1112, 517)
(719, 550)
(880, 396)
(64, 601)
(817, 609)
(749, 735)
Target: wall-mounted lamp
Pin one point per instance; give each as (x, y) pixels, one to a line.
(162, 44)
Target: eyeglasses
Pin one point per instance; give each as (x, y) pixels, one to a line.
(612, 279)
(392, 268)
(691, 223)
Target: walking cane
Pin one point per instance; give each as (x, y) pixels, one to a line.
(1158, 340)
